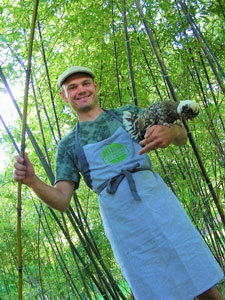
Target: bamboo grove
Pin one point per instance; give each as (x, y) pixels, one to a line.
(141, 51)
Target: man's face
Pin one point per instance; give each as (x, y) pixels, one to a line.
(80, 91)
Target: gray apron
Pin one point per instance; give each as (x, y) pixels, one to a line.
(160, 253)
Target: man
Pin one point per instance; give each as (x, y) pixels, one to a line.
(160, 253)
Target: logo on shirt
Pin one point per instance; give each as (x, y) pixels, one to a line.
(114, 153)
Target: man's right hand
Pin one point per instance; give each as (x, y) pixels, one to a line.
(24, 170)
(57, 197)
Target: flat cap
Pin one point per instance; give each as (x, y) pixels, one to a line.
(73, 70)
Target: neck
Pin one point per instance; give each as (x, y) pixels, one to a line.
(89, 115)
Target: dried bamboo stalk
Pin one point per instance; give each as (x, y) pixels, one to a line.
(24, 122)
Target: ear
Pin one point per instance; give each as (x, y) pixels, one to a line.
(96, 86)
(63, 97)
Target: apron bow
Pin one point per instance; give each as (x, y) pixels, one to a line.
(112, 184)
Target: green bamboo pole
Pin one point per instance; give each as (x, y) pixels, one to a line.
(86, 243)
(24, 121)
(129, 53)
(73, 248)
(92, 244)
(51, 177)
(46, 113)
(204, 46)
(48, 80)
(58, 255)
(76, 262)
(39, 256)
(116, 55)
(173, 94)
(10, 135)
(156, 52)
(211, 89)
(37, 149)
(40, 124)
(148, 65)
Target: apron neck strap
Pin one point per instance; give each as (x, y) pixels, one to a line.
(113, 115)
(85, 169)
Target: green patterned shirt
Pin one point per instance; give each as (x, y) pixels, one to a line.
(90, 132)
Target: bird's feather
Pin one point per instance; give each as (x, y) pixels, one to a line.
(159, 113)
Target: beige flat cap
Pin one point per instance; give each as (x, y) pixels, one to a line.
(73, 70)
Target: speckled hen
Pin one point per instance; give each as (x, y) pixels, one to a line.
(159, 113)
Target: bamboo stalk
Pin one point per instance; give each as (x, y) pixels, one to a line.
(169, 83)
(204, 46)
(100, 84)
(86, 243)
(156, 51)
(85, 265)
(75, 259)
(62, 265)
(129, 54)
(51, 177)
(204, 207)
(211, 128)
(74, 252)
(40, 124)
(211, 89)
(39, 153)
(24, 121)
(116, 56)
(48, 80)
(150, 70)
(10, 135)
(46, 114)
(92, 244)
(39, 256)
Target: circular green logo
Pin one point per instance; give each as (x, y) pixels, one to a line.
(114, 153)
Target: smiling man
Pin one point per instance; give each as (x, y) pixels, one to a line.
(81, 93)
(160, 253)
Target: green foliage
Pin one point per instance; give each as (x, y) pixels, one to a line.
(87, 33)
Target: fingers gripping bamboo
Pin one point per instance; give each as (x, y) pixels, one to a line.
(24, 121)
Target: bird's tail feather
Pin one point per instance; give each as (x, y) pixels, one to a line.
(129, 119)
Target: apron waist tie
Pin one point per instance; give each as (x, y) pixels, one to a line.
(112, 184)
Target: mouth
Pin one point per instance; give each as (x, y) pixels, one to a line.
(83, 97)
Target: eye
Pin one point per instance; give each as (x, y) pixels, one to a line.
(86, 83)
(72, 87)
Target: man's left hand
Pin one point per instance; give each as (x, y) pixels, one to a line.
(161, 136)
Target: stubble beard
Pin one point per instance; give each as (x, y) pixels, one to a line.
(87, 108)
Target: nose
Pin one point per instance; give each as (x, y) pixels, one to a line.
(81, 89)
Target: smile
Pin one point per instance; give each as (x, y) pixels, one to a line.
(83, 97)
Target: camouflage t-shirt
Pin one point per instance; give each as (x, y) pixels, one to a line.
(103, 127)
